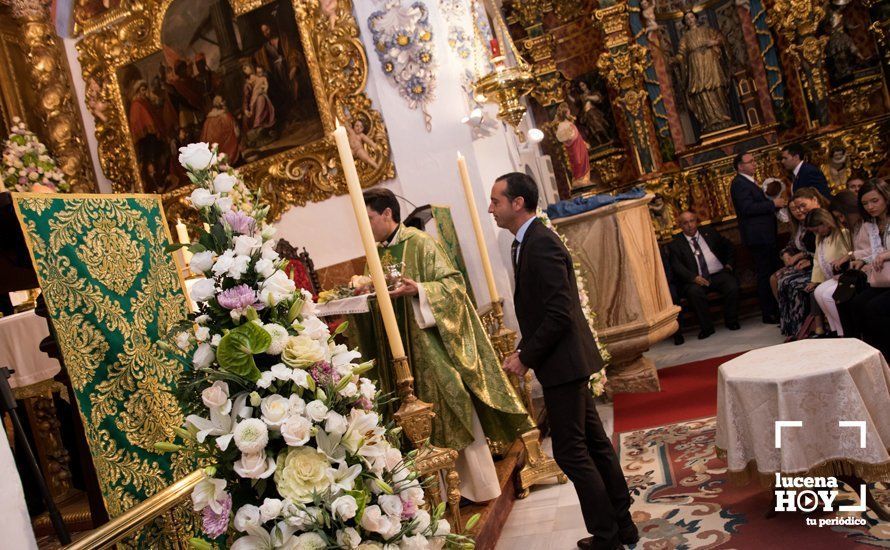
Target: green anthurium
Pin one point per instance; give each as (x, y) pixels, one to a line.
(237, 348)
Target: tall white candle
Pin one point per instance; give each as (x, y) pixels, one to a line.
(364, 228)
(182, 235)
(477, 227)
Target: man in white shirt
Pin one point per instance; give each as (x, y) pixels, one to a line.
(701, 262)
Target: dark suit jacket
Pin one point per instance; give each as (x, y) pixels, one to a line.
(811, 176)
(556, 339)
(683, 263)
(756, 213)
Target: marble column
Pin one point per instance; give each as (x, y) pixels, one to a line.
(617, 250)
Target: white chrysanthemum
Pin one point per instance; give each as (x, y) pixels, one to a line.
(251, 435)
(279, 336)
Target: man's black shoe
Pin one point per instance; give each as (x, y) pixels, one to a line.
(733, 326)
(705, 333)
(628, 534)
(594, 543)
(678, 338)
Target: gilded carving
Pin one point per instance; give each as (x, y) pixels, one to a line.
(337, 70)
(51, 84)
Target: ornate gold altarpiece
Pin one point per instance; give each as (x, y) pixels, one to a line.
(338, 68)
(780, 90)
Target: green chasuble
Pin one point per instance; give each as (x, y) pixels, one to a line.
(454, 364)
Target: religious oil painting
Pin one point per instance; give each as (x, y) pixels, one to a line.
(265, 80)
(241, 82)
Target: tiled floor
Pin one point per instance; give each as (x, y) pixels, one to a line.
(550, 517)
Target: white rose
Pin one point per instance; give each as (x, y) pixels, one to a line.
(196, 156)
(224, 263)
(276, 288)
(348, 538)
(266, 379)
(442, 528)
(309, 307)
(349, 390)
(239, 267)
(344, 507)
(367, 388)
(301, 378)
(422, 521)
(251, 435)
(201, 261)
(279, 336)
(297, 405)
(374, 520)
(393, 458)
(275, 410)
(315, 328)
(264, 268)
(224, 203)
(316, 410)
(335, 423)
(183, 341)
(245, 245)
(268, 251)
(202, 334)
(296, 430)
(217, 397)
(247, 516)
(255, 466)
(203, 290)
(413, 494)
(204, 356)
(415, 542)
(223, 182)
(270, 509)
(202, 198)
(391, 505)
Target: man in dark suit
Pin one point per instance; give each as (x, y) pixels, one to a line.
(558, 345)
(803, 173)
(756, 215)
(701, 261)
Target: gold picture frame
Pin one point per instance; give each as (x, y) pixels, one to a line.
(308, 172)
(90, 15)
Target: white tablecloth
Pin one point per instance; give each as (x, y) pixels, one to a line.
(15, 525)
(817, 382)
(20, 337)
(345, 306)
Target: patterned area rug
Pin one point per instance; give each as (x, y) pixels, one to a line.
(683, 499)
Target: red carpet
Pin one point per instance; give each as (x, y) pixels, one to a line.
(688, 391)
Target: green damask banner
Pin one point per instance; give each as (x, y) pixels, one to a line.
(113, 293)
(448, 239)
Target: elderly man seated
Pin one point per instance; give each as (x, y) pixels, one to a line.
(701, 261)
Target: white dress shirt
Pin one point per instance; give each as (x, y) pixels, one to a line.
(797, 168)
(714, 264)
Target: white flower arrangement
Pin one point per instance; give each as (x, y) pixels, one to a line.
(300, 456)
(598, 379)
(27, 165)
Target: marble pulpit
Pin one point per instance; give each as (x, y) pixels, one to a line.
(616, 248)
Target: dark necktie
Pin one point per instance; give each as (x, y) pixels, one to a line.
(514, 248)
(700, 258)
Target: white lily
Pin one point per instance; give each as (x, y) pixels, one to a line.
(257, 539)
(343, 477)
(221, 425)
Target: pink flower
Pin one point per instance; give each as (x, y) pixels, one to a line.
(216, 524)
(239, 298)
(240, 222)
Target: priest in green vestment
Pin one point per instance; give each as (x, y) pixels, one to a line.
(454, 364)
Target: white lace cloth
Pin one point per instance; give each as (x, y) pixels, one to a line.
(344, 306)
(20, 337)
(817, 382)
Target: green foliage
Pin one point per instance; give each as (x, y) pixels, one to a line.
(237, 348)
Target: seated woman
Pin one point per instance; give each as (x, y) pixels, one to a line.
(870, 318)
(845, 209)
(833, 249)
(791, 280)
